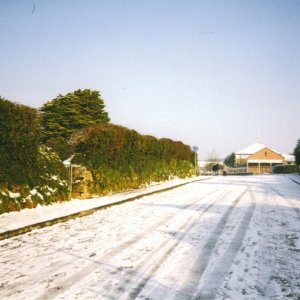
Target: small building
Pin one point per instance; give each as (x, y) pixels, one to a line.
(258, 158)
(241, 156)
(264, 160)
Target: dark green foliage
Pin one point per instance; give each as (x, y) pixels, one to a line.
(19, 142)
(49, 185)
(60, 146)
(278, 170)
(230, 160)
(297, 153)
(66, 114)
(285, 169)
(24, 164)
(120, 158)
(215, 168)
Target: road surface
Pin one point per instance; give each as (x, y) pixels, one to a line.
(223, 238)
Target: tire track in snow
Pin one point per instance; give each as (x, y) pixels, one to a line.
(207, 251)
(66, 284)
(149, 263)
(169, 246)
(50, 272)
(293, 180)
(209, 288)
(280, 248)
(155, 264)
(265, 287)
(295, 209)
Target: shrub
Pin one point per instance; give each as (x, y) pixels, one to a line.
(50, 185)
(278, 169)
(121, 159)
(29, 173)
(285, 169)
(19, 142)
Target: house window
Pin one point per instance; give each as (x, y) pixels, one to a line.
(266, 154)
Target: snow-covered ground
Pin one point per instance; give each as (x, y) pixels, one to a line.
(223, 238)
(15, 220)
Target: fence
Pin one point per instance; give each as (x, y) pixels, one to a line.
(238, 170)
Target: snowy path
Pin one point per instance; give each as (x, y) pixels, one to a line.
(225, 238)
(29, 217)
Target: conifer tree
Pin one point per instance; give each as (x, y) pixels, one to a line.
(230, 160)
(66, 114)
(297, 153)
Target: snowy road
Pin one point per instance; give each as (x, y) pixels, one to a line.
(223, 238)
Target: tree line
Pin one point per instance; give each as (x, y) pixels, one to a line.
(34, 142)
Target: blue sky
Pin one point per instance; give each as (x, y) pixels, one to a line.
(217, 74)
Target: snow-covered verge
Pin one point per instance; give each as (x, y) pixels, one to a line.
(223, 238)
(30, 198)
(26, 217)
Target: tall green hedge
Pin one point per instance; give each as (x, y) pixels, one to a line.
(285, 169)
(19, 142)
(29, 172)
(120, 158)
